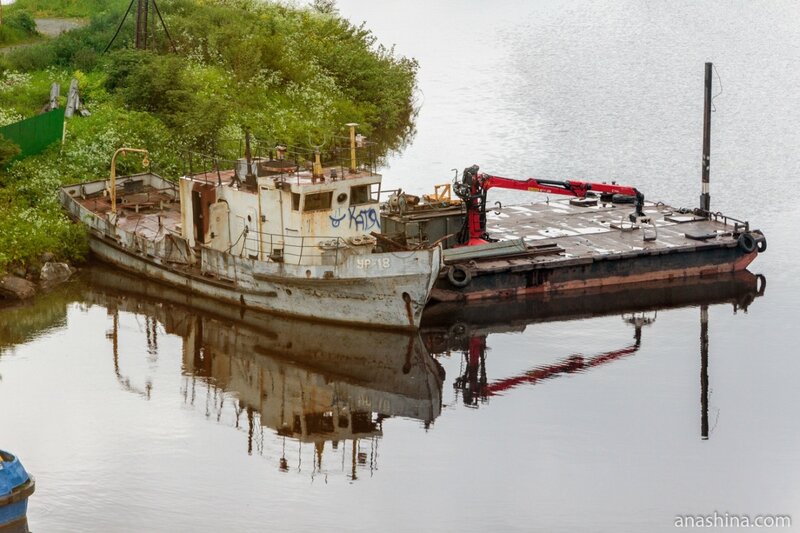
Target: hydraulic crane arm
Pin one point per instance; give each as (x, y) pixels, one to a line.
(474, 186)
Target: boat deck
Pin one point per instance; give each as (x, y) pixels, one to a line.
(561, 230)
(564, 231)
(149, 212)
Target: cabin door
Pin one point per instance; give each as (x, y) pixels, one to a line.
(197, 215)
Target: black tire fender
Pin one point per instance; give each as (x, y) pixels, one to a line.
(761, 244)
(747, 242)
(459, 275)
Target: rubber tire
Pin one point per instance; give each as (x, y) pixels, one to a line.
(747, 242)
(761, 244)
(460, 283)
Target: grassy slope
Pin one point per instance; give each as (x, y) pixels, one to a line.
(68, 8)
(287, 74)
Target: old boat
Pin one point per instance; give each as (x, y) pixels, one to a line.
(266, 234)
(16, 486)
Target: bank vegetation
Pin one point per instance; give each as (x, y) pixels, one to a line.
(285, 73)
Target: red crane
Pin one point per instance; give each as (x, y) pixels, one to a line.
(474, 186)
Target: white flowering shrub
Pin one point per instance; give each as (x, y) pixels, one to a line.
(9, 116)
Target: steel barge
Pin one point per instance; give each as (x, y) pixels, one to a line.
(606, 234)
(561, 245)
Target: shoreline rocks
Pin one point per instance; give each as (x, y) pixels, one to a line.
(16, 288)
(54, 273)
(20, 284)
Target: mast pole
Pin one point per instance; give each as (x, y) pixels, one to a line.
(705, 196)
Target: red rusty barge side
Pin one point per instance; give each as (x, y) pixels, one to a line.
(504, 279)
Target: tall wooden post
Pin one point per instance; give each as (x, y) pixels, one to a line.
(141, 24)
(705, 196)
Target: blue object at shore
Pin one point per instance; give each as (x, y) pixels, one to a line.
(15, 488)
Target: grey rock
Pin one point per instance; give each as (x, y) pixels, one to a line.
(15, 288)
(54, 273)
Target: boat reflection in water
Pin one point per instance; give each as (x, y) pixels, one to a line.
(464, 329)
(297, 388)
(309, 383)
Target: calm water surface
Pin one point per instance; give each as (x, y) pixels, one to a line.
(137, 412)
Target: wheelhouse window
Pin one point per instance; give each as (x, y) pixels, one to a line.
(364, 194)
(318, 201)
(295, 201)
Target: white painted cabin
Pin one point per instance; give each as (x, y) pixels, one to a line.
(288, 217)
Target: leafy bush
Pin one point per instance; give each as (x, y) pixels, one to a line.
(22, 21)
(18, 26)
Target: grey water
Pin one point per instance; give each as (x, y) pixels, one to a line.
(139, 413)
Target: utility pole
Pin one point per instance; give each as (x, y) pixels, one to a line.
(141, 24)
(142, 11)
(705, 196)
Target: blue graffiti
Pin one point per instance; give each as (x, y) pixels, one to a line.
(364, 219)
(361, 219)
(336, 221)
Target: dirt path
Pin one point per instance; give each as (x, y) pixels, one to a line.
(55, 27)
(49, 28)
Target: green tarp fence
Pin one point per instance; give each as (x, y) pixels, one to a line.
(34, 134)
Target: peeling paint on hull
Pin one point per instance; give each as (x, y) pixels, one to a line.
(373, 302)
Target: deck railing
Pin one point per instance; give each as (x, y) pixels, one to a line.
(295, 249)
(209, 167)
